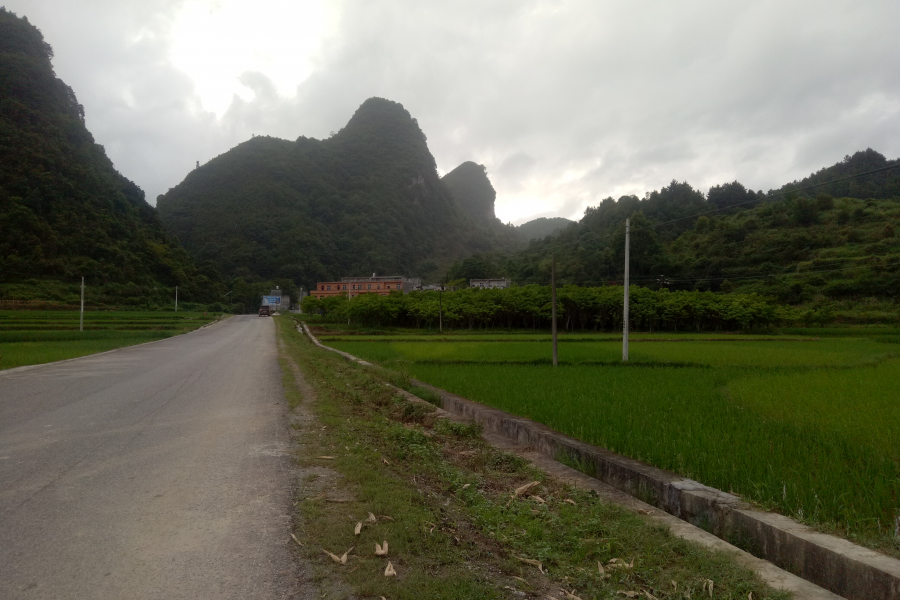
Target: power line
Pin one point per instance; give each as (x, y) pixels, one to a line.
(739, 277)
(768, 275)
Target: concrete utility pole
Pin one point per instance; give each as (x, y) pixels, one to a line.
(440, 308)
(553, 306)
(625, 310)
(81, 315)
(176, 298)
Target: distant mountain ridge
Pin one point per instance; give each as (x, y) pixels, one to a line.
(65, 212)
(368, 199)
(542, 227)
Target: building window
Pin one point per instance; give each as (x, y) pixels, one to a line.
(370, 286)
(345, 287)
(323, 287)
(379, 286)
(329, 288)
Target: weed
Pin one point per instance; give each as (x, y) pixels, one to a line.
(455, 531)
(456, 429)
(413, 412)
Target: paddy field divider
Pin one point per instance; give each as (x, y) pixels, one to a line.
(838, 565)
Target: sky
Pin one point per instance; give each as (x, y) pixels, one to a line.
(564, 102)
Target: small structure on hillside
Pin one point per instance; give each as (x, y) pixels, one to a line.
(491, 284)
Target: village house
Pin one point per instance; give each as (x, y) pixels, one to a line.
(354, 286)
(495, 284)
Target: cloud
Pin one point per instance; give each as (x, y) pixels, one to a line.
(565, 102)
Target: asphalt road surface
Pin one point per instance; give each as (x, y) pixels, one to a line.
(160, 471)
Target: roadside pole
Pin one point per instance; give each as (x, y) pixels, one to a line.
(553, 306)
(176, 298)
(81, 315)
(625, 309)
(441, 309)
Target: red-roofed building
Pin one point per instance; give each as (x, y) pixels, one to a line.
(354, 286)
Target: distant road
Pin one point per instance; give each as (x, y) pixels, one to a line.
(159, 471)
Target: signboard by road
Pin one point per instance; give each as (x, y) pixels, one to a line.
(271, 300)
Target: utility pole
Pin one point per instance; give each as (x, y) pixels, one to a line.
(176, 298)
(81, 315)
(553, 306)
(625, 310)
(441, 309)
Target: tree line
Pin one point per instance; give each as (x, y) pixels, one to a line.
(578, 309)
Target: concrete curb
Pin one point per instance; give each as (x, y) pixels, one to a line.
(845, 568)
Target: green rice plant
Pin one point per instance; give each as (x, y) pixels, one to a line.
(808, 428)
(682, 419)
(858, 405)
(18, 354)
(35, 337)
(834, 352)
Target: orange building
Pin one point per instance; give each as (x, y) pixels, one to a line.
(354, 286)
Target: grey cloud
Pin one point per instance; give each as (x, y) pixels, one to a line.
(603, 98)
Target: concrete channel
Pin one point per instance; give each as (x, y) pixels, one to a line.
(838, 565)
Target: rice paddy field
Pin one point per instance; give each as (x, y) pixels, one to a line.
(805, 425)
(35, 337)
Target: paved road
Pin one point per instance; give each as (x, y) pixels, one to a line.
(157, 471)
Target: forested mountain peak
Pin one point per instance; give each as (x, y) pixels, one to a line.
(877, 185)
(472, 190)
(367, 199)
(385, 122)
(65, 212)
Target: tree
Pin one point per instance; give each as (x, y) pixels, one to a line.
(731, 194)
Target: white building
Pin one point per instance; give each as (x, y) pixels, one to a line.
(492, 284)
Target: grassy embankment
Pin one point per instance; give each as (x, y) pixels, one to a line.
(807, 428)
(453, 531)
(35, 337)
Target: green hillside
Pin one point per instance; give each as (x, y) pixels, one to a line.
(801, 247)
(542, 227)
(368, 199)
(65, 212)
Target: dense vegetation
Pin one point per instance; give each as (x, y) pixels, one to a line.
(805, 247)
(65, 212)
(368, 199)
(579, 308)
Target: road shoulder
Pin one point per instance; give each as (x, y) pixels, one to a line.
(445, 501)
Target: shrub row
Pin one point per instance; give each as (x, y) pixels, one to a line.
(583, 308)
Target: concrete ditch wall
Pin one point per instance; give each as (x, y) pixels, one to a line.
(833, 563)
(845, 568)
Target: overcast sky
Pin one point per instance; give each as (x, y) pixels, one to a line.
(564, 102)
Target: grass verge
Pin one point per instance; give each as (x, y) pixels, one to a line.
(442, 499)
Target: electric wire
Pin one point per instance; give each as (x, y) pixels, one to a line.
(674, 280)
